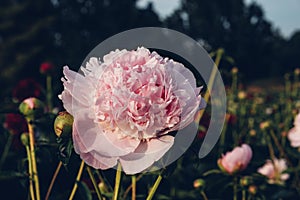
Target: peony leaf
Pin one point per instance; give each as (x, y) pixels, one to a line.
(84, 191)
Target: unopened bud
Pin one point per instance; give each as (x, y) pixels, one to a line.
(264, 125)
(245, 181)
(234, 70)
(252, 189)
(199, 183)
(242, 95)
(31, 107)
(25, 139)
(47, 68)
(102, 187)
(63, 124)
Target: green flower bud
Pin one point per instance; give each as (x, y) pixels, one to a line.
(63, 124)
(25, 139)
(31, 107)
(199, 183)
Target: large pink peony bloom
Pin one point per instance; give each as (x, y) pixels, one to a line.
(294, 133)
(124, 107)
(236, 160)
(274, 171)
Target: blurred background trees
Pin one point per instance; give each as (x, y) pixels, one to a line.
(64, 31)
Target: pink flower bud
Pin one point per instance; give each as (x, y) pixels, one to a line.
(236, 160)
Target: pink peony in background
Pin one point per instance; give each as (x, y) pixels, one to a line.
(125, 106)
(236, 160)
(294, 133)
(274, 170)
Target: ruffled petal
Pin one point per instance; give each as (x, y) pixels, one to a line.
(146, 154)
(79, 88)
(92, 138)
(97, 161)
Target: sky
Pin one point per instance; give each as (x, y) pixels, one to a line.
(284, 14)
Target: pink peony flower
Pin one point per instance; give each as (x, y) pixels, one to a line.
(124, 107)
(294, 133)
(274, 171)
(236, 160)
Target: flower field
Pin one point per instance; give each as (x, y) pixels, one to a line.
(99, 150)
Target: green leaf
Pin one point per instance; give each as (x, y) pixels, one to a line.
(84, 191)
(8, 175)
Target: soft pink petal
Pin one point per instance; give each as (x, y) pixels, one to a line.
(78, 87)
(146, 154)
(294, 137)
(97, 161)
(93, 138)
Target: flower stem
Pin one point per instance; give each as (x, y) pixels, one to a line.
(154, 188)
(117, 182)
(98, 192)
(213, 74)
(130, 186)
(31, 189)
(235, 188)
(203, 195)
(33, 160)
(133, 180)
(53, 180)
(77, 180)
(6, 149)
(49, 92)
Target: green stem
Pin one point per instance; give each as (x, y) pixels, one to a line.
(235, 188)
(117, 182)
(203, 195)
(154, 188)
(213, 74)
(53, 180)
(98, 192)
(31, 189)
(33, 159)
(130, 186)
(244, 194)
(77, 180)
(133, 180)
(49, 92)
(6, 149)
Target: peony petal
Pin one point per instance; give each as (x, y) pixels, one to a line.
(91, 137)
(98, 162)
(79, 88)
(146, 154)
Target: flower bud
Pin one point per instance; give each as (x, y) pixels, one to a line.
(252, 189)
(199, 183)
(264, 125)
(234, 70)
(25, 139)
(102, 187)
(245, 181)
(46, 68)
(63, 124)
(242, 95)
(31, 107)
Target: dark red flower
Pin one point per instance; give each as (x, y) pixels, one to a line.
(26, 88)
(16, 125)
(47, 68)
